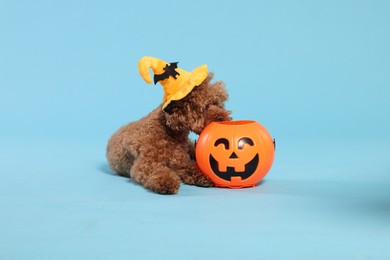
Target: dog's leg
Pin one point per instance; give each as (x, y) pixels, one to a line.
(191, 149)
(155, 177)
(119, 156)
(193, 176)
(184, 165)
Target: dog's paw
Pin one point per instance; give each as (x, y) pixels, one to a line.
(198, 179)
(164, 184)
(203, 180)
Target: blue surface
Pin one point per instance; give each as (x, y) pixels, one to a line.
(315, 74)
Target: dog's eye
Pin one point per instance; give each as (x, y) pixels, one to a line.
(219, 119)
(215, 104)
(173, 107)
(169, 109)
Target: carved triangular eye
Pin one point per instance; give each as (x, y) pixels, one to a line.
(223, 141)
(243, 141)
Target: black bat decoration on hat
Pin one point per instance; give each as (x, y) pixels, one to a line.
(169, 70)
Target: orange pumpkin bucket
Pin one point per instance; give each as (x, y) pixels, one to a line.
(235, 154)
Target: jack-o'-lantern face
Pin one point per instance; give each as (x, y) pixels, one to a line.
(235, 154)
(239, 159)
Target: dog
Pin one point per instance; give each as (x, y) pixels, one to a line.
(156, 151)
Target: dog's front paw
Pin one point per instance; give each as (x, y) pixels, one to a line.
(197, 178)
(164, 184)
(203, 180)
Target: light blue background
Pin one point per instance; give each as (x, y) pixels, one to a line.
(316, 74)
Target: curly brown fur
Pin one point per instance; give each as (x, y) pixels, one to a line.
(156, 151)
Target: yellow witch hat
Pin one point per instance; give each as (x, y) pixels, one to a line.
(177, 83)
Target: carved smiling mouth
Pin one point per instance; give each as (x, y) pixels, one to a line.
(230, 172)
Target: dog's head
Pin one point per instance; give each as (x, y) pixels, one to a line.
(205, 104)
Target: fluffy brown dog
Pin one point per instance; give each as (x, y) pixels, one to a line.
(156, 151)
